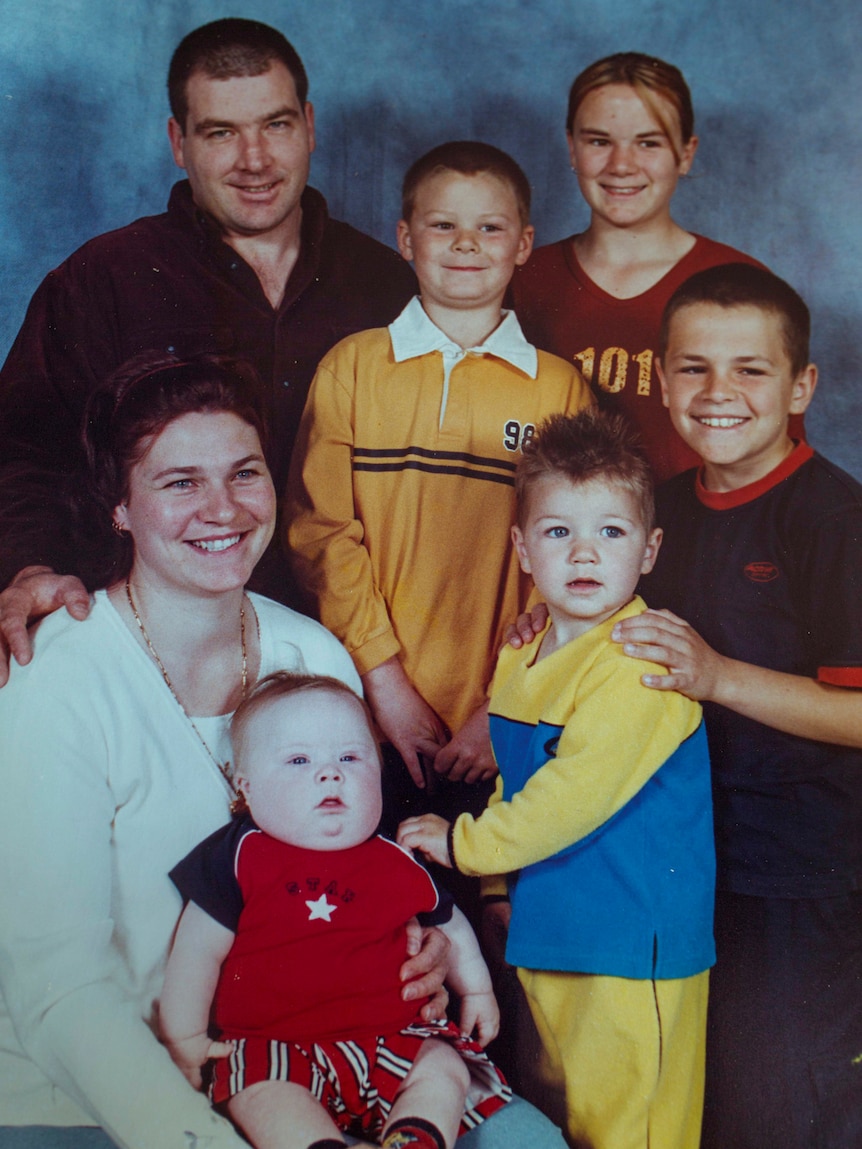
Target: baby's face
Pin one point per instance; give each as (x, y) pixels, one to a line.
(310, 771)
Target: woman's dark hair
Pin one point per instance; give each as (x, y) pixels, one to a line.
(125, 413)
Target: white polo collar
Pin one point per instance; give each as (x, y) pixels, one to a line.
(414, 334)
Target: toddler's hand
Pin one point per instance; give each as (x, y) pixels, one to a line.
(428, 834)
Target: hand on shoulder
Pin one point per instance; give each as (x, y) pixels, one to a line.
(34, 592)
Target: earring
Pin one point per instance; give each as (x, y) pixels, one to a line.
(115, 526)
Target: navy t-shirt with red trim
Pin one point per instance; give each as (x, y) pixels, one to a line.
(771, 574)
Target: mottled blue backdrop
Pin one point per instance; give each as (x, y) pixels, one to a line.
(777, 89)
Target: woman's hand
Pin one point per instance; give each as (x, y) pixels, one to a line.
(425, 970)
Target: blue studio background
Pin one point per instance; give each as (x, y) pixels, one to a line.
(777, 87)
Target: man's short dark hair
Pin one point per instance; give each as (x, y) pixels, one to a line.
(468, 158)
(744, 285)
(228, 48)
(589, 447)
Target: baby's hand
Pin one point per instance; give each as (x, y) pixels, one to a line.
(480, 1012)
(427, 833)
(190, 1054)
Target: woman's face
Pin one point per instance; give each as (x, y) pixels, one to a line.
(625, 162)
(201, 505)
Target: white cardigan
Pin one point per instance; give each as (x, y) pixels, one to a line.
(104, 786)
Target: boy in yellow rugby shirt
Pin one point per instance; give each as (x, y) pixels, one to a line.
(602, 817)
(401, 498)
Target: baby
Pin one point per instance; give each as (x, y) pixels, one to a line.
(293, 936)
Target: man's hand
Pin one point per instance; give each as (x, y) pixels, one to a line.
(425, 970)
(468, 756)
(429, 834)
(404, 717)
(527, 627)
(694, 668)
(33, 593)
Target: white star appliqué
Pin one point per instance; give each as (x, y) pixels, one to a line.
(320, 909)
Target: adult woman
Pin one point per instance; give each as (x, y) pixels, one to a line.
(113, 751)
(597, 297)
(111, 777)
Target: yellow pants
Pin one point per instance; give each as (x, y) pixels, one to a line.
(620, 1063)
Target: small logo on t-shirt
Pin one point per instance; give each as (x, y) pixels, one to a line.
(761, 572)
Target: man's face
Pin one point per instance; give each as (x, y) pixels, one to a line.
(246, 147)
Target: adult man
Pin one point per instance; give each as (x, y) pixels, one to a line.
(246, 260)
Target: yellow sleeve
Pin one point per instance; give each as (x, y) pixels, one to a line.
(325, 538)
(494, 885)
(619, 734)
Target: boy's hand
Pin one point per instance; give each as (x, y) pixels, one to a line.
(480, 1012)
(427, 833)
(694, 668)
(425, 969)
(468, 757)
(190, 1054)
(527, 627)
(404, 717)
(34, 592)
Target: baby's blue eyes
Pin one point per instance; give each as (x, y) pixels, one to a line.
(606, 532)
(304, 760)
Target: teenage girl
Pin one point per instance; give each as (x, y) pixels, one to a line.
(596, 298)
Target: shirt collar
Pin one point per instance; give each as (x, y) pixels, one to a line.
(414, 334)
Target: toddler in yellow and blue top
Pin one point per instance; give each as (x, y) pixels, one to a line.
(401, 498)
(602, 815)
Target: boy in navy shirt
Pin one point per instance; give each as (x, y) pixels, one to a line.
(762, 557)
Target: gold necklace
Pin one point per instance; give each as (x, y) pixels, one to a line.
(223, 767)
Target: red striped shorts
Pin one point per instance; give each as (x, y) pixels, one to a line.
(357, 1081)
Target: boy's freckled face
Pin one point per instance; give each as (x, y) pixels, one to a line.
(310, 771)
(730, 389)
(465, 238)
(586, 547)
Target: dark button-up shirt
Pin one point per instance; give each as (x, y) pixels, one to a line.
(169, 283)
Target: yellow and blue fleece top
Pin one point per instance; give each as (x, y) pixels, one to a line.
(602, 816)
